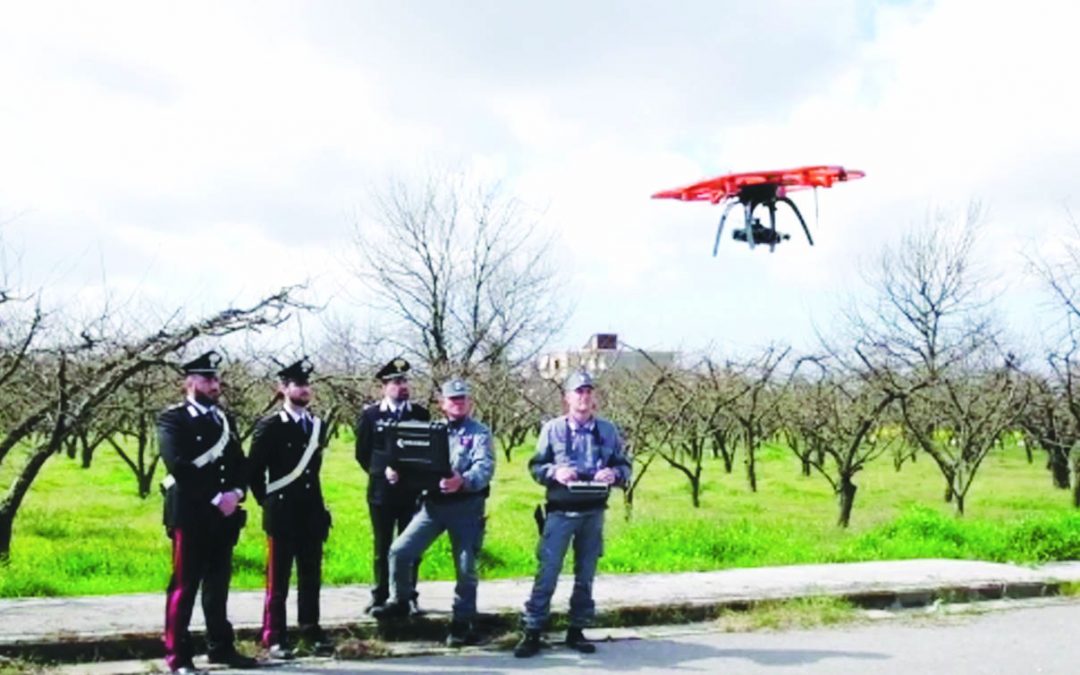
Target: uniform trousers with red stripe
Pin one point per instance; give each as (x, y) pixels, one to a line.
(306, 550)
(199, 558)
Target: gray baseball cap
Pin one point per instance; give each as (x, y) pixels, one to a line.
(577, 380)
(455, 387)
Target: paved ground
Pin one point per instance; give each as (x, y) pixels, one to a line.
(88, 621)
(1003, 636)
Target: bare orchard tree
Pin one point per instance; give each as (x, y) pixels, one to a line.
(1061, 275)
(139, 400)
(841, 416)
(696, 412)
(757, 408)
(631, 398)
(104, 360)
(461, 274)
(802, 420)
(929, 337)
(721, 388)
(1048, 421)
(512, 402)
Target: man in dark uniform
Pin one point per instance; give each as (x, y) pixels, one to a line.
(205, 484)
(391, 506)
(284, 463)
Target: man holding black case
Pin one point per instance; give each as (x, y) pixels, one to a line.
(578, 457)
(454, 505)
(390, 506)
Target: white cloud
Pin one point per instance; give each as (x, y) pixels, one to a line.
(143, 131)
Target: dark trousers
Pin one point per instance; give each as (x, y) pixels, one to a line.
(388, 519)
(282, 551)
(198, 558)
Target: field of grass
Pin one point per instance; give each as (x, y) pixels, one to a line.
(86, 532)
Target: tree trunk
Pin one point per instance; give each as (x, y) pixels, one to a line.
(805, 464)
(846, 493)
(145, 484)
(7, 520)
(695, 490)
(751, 470)
(87, 454)
(959, 504)
(10, 506)
(1076, 482)
(1059, 467)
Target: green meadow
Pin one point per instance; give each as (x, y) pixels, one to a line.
(84, 531)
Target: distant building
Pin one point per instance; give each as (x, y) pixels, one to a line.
(600, 354)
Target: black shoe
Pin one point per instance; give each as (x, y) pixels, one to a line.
(575, 639)
(317, 642)
(280, 653)
(414, 608)
(461, 634)
(391, 610)
(370, 607)
(234, 659)
(529, 645)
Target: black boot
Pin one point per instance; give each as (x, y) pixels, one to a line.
(315, 641)
(233, 659)
(460, 634)
(391, 610)
(529, 644)
(575, 639)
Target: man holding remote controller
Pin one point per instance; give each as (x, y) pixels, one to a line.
(578, 458)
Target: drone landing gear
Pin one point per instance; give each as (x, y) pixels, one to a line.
(753, 232)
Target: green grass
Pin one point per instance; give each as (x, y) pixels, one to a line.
(788, 614)
(86, 532)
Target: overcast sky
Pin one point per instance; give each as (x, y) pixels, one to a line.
(200, 153)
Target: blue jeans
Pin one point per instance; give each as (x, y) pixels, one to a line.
(587, 531)
(464, 521)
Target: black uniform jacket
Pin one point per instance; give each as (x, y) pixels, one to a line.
(371, 451)
(278, 444)
(184, 434)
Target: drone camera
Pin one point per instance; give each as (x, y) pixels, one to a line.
(761, 234)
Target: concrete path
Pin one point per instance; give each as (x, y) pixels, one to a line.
(36, 623)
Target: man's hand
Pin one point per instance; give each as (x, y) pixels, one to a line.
(565, 474)
(451, 484)
(391, 476)
(227, 503)
(606, 475)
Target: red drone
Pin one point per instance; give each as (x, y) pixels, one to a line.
(760, 188)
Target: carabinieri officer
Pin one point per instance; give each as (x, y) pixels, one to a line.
(286, 455)
(203, 489)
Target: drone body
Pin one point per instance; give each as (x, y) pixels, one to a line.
(760, 188)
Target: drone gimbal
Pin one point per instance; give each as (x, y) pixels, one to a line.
(753, 232)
